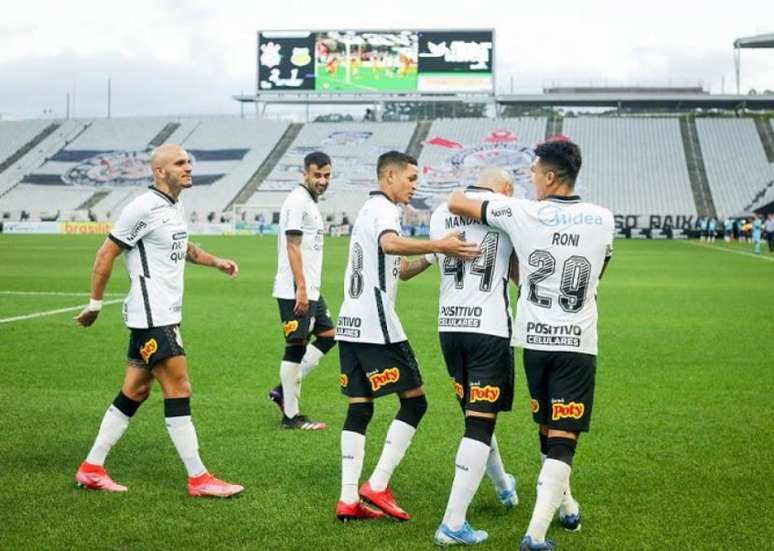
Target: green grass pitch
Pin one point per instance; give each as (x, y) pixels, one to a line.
(679, 457)
(363, 79)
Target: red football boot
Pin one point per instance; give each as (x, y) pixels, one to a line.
(95, 477)
(384, 500)
(207, 485)
(356, 511)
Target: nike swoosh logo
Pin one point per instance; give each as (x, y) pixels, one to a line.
(164, 221)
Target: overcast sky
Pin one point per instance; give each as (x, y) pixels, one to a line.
(190, 57)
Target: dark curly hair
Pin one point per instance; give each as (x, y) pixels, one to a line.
(562, 156)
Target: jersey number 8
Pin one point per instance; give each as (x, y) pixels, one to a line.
(356, 277)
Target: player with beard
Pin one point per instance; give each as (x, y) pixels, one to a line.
(152, 229)
(302, 308)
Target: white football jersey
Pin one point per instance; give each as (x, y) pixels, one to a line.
(562, 245)
(299, 215)
(474, 295)
(153, 230)
(371, 279)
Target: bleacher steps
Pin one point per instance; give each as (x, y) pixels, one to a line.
(554, 127)
(29, 146)
(263, 171)
(164, 134)
(767, 136)
(697, 173)
(417, 142)
(93, 200)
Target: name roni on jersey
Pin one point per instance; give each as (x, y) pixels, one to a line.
(460, 316)
(554, 335)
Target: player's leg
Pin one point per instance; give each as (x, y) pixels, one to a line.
(571, 396)
(353, 435)
(487, 388)
(394, 369)
(296, 331)
(134, 391)
(470, 466)
(324, 331)
(171, 370)
(569, 510)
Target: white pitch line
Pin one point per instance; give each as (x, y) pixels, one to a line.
(53, 312)
(53, 294)
(723, 249)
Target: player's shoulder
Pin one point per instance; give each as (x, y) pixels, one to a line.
(299, 196)
(598, 210)
(378, 202)
(145, 203)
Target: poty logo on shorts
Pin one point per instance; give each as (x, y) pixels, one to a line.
(382, 378)
(573, 410)
(458, 390)
(534, 405)
(343, 380)
(486, 393)
(289, 327)
(148, 349)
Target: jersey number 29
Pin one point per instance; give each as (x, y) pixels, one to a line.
(573, 283)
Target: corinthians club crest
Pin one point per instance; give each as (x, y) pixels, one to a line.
(112, 169)
(462, 167)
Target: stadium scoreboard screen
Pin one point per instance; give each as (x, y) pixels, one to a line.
(377, 62)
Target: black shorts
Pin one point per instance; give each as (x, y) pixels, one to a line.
(150, 346)
(481, 368)
(561, 388)
(373, 370)
(317, 319)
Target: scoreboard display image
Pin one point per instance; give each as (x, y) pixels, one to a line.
(351, 61)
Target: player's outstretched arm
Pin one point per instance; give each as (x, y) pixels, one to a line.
(451, 245)
(100, 275)
(196, 255)
(410, 268)
(461, 204)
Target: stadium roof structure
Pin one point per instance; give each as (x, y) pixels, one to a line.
(674, 102)
(761, 41)
(620, 100)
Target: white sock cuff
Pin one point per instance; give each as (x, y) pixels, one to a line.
(313, 355)
(402, 429)
(178, 421)
(555, 471)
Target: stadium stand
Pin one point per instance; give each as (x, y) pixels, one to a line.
(353, 148)
(736, 163)
(226, 152)
(12, 196)
(101, 165)
(632, 165)
(457, 149)
(15, 134)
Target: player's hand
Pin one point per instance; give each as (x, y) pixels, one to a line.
(86, 317)
(302, 302)
(453, 245)
(228, 267)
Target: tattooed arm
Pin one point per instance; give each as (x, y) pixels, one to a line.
(196, 255)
